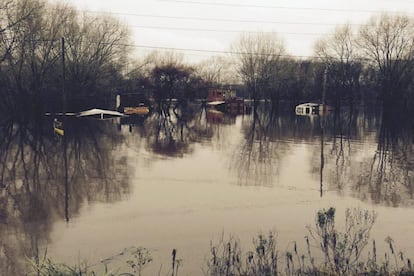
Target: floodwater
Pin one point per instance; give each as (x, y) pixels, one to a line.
(183, 179)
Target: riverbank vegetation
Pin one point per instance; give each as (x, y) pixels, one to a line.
(329, 250)
(54, 57)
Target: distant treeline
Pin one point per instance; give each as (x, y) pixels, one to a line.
(372, 62)
(53, 57)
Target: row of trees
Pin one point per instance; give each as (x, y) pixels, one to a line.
(93, 61)
(166, 76)
(369, 63)
(32, 50)
(377, 57)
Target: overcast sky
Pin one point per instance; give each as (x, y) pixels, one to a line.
(212, 25)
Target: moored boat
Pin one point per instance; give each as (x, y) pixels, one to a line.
(58, 127)
(141, 109)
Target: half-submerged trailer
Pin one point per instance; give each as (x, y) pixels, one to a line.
(307, 109)
(312, 109)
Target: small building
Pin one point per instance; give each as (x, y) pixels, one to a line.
(215, 94)
(225, 100)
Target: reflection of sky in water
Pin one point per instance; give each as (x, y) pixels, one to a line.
(185, 202)
(237, 179)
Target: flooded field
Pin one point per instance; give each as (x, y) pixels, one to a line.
(183, 179)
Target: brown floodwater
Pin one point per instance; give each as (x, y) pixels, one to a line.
(186, 180)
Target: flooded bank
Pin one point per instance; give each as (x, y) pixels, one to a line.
(181, 181)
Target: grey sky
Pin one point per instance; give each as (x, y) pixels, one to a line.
(212, 25)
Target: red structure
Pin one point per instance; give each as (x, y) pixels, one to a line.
(220, 94)
(225, 100)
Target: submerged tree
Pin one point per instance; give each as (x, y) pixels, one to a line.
(31, 51)
(171, 78)
(97, 48)
(387, 43)
(259, 59)
(342, 66)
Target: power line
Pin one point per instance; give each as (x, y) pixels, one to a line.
(222, 31)
(210, 19)
(236, 53)
(211, 51)
(271, 7)
(233, 52)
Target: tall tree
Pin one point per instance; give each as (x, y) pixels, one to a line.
(31, 51)
(171, 78)
(387, 42)
(97, 49)
(342, 66)
(258, 57)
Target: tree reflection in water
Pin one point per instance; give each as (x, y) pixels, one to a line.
(355, 152)
(257, 159)
(382, 175)
(387, 177)
(33, 194)
(342, 157)
(174, 131)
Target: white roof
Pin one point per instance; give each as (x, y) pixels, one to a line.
(308, 104)
(215, 102)
(96, 111)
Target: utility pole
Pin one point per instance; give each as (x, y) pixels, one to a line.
(63, 74)
(322, 109)
(325, 76)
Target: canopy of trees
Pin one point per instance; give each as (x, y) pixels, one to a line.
(33, 53)
(54, 57)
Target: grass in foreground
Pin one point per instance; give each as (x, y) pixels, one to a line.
(329, 251)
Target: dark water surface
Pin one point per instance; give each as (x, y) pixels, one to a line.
(183, 180)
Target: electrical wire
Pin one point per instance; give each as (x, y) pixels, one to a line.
(210, 19)
(271, 7)
(221, 31)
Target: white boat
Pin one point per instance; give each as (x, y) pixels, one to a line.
(141, 109)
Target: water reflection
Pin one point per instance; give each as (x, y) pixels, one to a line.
(173, 132)
(258, 157)
(386, 177)
(367, 154)
(45, 178)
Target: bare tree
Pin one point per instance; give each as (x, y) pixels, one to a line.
(18, 44)
(258, 56)
(342, 66)
(217, 71)
(171, 78)
(96, 51)
(31, 51)
(387, 42)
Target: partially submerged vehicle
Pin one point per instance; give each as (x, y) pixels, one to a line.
(312, 109)
(307, 109)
